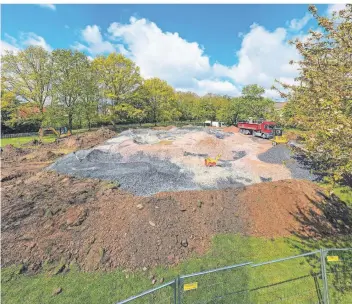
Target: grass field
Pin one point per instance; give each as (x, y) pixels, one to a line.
(19, 141)
(288, 281)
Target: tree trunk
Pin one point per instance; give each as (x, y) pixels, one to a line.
(70, 122)
(89, 125)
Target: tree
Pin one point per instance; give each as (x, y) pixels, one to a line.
(253, 92)
(88, 103)
(255, 105)
(8, 104)
(207, 107)
(118, 76)
(161, 100)
(322, 98)
(28, 74)
(187, 105)
(69, 80)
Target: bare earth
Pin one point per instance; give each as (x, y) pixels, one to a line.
(47, 216)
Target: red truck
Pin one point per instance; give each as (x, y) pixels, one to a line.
(264, 129)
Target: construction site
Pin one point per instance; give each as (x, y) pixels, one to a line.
(152, 197)
(145, 161)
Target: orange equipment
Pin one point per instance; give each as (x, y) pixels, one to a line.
(211, 162)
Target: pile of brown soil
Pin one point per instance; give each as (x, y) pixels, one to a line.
(271, 207)
(85, 140)
(231, 129)
(50, 217)
(11, 153)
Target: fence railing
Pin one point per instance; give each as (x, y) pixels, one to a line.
(19, 135)
(323, 277)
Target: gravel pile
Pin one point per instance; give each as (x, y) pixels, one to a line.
(281, 154)
(141, 174)
(238, 154)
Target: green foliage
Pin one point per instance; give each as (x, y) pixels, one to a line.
(118, 76)
(70, 68)
(28, 74)
(77, 93)
(322, 102)
(161, 100)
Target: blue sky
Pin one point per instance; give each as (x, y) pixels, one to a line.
(202, 48)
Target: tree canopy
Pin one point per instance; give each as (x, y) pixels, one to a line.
(321, 101)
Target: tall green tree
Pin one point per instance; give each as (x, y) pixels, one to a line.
(119, 77)
(254, 103)
(187, 105)
(322, 99)
(89, 99)
(161, 100)
(28, 74)
(69, 79)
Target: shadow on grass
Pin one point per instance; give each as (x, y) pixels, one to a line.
(328, 224)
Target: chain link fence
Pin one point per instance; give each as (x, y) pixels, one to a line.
(319, 277)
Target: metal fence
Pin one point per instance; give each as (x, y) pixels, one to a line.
(19, 135)
(320, 277)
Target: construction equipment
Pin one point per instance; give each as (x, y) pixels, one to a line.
(260, 128)
(211, 162)
(59, 132)
(278, 138)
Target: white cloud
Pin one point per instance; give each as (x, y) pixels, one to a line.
(28, 39)
(25, 40)
(298, 24)
(66, 26)
(49, 6)
(8, 47)
(95, 43)
(269, 93)
(161, 54)
(264, 56)
(216, 87)
(335, 8)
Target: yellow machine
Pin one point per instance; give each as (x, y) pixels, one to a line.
(211, 162)
(60, 132)
(279, 138)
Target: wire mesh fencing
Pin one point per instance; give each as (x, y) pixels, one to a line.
(319, 277)
(338, 275)
(165, 293)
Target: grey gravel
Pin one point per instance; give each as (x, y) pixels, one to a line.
(297, 165)
(141, 175)
(238, 154)
(276, 155)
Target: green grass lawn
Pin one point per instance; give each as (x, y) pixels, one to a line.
(19, 141)
(286, 282)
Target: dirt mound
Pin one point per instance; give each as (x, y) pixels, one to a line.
(10, 153)
(271, 206)
(85, 140)
(48, 217)
(231, 129)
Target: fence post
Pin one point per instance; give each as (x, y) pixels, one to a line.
(175, 285)
(179, 287)
(324, 276)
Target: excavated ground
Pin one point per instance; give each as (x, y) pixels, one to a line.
(50, 217)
